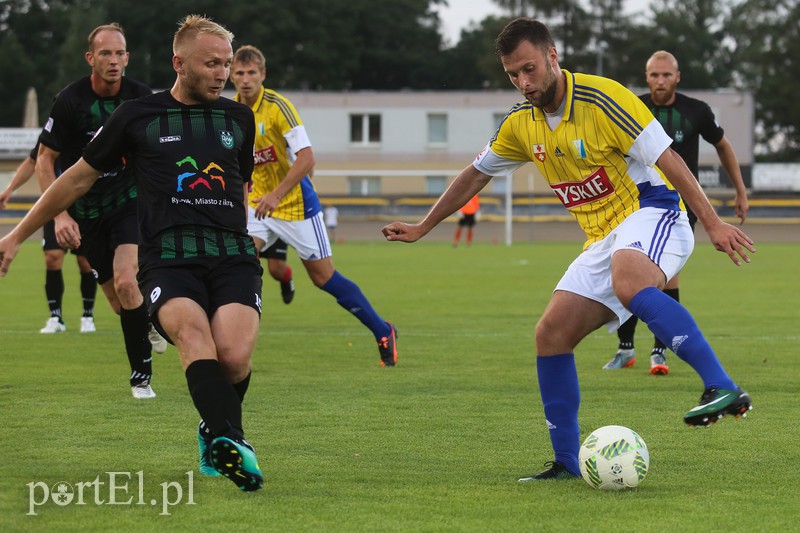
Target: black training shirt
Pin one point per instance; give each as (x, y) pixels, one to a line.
(77, 113)
(190, 163)
(686, 120)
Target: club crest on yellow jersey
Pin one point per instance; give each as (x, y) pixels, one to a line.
(539, 153)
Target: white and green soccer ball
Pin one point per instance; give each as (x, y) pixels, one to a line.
(614, 458)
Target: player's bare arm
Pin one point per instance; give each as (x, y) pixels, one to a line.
(21, 176)
(731, 165)
(726, 238)
(45, 166)
(73, 184)
(302, 166)
(65, 226)
(466, 185)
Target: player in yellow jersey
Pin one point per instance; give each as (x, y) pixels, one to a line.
(283, 203)
(610, 163)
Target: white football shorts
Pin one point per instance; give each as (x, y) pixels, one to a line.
(308, 237)
(661, 234)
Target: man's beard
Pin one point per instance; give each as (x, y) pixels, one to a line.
(549, 93)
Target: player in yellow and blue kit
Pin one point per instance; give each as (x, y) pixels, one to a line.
(610, 163)
(283, 203)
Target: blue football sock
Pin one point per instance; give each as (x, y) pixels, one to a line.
(561, 397)
(673, 324)
(349, 296)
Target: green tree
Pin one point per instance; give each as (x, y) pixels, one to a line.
(314, 44)
(34, 26)
(399, 41)
(18, 74)
(767, 36)
(72, 63)
(694, 32)
(149, 32)
(568, 21)
(472, 63)
(618, 45)
(396, 44)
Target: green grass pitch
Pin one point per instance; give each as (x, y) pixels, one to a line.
(435, 444)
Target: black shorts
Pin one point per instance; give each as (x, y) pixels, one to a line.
(100, 238)
(49, 241)
(276, 251)
(215, 282)
(467, 220)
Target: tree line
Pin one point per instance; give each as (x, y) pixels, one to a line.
(352, 45)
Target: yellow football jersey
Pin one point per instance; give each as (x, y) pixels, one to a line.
(599, 160)
(279, 135)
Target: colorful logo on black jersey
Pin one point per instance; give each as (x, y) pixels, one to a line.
(212, 172)
(679, 136)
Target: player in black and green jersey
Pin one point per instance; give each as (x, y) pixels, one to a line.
(685, 120)
(191, 153)
(54, 261)
(105, 216)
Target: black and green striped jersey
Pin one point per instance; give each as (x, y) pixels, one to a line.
(77, 113)
(191, 164)
(686, 120)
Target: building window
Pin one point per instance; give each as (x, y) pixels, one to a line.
(365, 129)
(437, 128)
(435, 184)
(364, 186)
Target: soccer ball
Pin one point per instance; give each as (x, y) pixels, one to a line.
(614, 458)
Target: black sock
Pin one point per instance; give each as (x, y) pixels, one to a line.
(135, 326)
(88, 291)
(204, 430)
(215, 399)
(241, 390)
(626, 332)
(241, 387)
(54, 290)
(659, 346)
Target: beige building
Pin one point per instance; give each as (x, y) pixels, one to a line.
(372, 144)
(390, 143)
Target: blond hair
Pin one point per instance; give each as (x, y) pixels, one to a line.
(662, 54)
(192, 26)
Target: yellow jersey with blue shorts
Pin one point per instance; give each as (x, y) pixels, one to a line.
(280, 134)
(599, 160)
